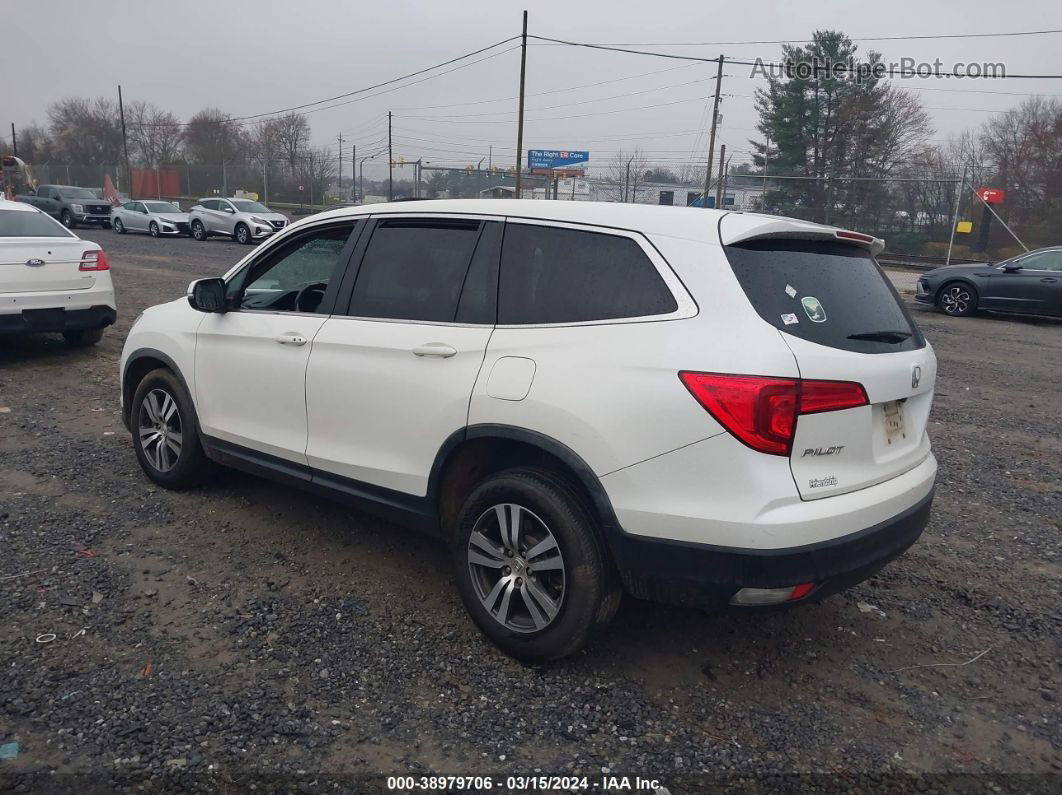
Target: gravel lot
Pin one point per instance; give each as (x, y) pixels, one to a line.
(247, 634)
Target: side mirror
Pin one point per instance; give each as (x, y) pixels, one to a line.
(207, 295)
(230, 211)
(1012, 267)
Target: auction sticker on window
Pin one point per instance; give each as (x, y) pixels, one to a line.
(814, 309)
(789, 319)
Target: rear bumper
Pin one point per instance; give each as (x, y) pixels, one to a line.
(707, 576)
(58, 319)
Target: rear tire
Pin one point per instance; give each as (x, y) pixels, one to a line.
(957, 299)
(81, 338)
(540, 605)
(242, 234)
(198, 230)
(67, 219)
(166, 432)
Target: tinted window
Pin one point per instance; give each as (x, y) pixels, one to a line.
(1042, 261)
(18, 223)
(414, 269)
(479, 296)
(129, 206)
(209, 204)
(823, 292)
(553, 275)
(294, 277)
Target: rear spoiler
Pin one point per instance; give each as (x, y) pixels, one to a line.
(741, 227)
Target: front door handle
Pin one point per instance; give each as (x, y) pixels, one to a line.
(440, 349)
(1049, 279)
(291, 339)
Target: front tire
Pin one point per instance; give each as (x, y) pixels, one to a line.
(957, 299)
(166, 432)
(118, 226)
(67, 219)
(242, 234)
(531, 566)
(153, 229)
(81, 338)
(198, 230)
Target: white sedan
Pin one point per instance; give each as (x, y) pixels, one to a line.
(50, 279)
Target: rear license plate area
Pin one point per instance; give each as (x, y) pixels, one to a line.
(44, 319)
(892, 416)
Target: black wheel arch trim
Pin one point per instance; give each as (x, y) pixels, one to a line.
(147, 353)
(956, 280)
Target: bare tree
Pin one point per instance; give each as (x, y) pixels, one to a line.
(624, 176)
(155, 134)
(317, 167)
(293, 136)
(211, 136)
(86, 131)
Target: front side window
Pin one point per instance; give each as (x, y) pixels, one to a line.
(414, 269)
(294, 276)
(1042, 261)
(560, 275)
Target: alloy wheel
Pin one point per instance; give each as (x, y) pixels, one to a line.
(517, 568)
(160, 430)
(955, 300)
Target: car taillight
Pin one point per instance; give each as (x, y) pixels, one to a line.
(94, 261)
(761, 411)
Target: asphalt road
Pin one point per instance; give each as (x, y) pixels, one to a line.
(245, 633)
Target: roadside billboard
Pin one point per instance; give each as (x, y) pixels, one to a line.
(555, 158)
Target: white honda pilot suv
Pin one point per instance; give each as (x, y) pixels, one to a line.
(699, 407)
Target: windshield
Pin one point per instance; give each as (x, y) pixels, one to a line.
(76, 193)
(19, 223)
(162, 207)
(247, 206)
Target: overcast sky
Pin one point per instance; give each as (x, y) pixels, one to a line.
(256, 57)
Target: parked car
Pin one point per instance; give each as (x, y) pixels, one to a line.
(154, 217)
(50, 279)
(701, 407)
(1029, 284)
(72, 206)
(244, 220)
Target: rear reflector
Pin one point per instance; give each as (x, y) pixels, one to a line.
(752, 597)
(761, 411)
(94, 261)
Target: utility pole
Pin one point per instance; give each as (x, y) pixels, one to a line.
(763, 194)
(125, 145)
(354, 170)
(390, 163)
(711, 136)
(627, 181)
(719, 182)
(14, 140)
(955, 214)
(490, 152)
(340, 170)
(520, 119)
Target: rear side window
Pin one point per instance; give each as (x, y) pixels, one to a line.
(19, 223)
(414, 269)
(557, 275)
(826, 292)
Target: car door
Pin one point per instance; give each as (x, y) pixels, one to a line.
(250, 364)
(1019, 290)
(210, 214)
(390, 376)
(138, 217)
(1047, 267)
(48, 200)
(225, 218)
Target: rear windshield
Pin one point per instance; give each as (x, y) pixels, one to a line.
(19, 223)
(826, 292)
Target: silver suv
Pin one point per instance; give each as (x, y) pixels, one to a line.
(244, 220)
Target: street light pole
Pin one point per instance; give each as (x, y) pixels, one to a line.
(361, 175)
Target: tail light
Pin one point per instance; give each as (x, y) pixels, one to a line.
(94, 261)
(762, 411)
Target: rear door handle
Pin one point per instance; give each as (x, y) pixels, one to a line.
(1049, 279)
(291, 339)
(440, 349)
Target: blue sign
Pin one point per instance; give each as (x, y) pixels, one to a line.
(555, 158)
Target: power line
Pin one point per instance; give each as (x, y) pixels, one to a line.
(891, 72)
(808, 41)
